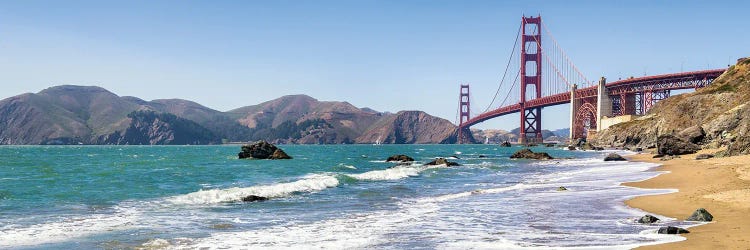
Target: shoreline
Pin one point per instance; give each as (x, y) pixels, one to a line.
(720, 185)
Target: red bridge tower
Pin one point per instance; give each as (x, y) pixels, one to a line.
(464, 111)
(531, 75)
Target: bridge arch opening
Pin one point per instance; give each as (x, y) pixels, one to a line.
(585, 120)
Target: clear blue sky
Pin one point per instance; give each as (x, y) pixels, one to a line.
(386, 55)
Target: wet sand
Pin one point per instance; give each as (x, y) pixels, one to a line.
(720, 185)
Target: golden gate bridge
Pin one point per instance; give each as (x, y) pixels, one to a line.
(539, 74)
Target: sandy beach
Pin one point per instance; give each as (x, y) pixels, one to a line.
(720, 185)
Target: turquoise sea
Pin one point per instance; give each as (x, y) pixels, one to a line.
(328, 196)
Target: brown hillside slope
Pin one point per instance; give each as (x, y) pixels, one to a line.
(406, 127)
(720, 110)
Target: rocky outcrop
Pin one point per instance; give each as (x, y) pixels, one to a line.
(399, 158)
(712, 117)
(528, 154)
(700, 215)
(694, 134)
(614, 157)
(672, 230)
(648, 219)
(408, 127)
(263, 150)
(672, 145)
(442, 161)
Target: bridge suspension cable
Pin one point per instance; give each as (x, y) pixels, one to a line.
(507, 66)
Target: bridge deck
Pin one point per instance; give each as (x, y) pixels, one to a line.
(684, 80)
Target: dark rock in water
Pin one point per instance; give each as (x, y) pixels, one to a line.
(588, 146)
(549, 145)
(528, 154)
(482, 156)
(672, 230)
(672, 145)
(262, 150)
(704, 156)
(571, 147)
(505, 144)
(562, 189)
(614, 157)
(455, 157)
(254, 198)
(279, 154)
(442, 161)
(694, 134)
(648, 219)
(401, 158)
(700, 215)
(531, 145)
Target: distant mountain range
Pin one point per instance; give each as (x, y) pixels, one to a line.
(495, 136)
(92, 115)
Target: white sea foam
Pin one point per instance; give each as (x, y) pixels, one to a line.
(51, 232)
(394, 173)
(353, 231)
(311, 183)
(447, 197)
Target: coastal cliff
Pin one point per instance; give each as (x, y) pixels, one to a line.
(71, 114)
(712, 117)
(407, 127)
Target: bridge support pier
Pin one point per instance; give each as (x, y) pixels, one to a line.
(573, 111)
(603, 103)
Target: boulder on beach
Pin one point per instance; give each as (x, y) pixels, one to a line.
(528, 154)
(704, 156)
(505, 144)
(694, 134)
(670, 144)
(399, 158)
(254, 198)
(262, 150)
(700, 214)
(648, 219)
(442, 161)
(571, 147)
(614, 157)
(672, 230)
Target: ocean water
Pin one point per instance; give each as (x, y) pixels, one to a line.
(328, 196)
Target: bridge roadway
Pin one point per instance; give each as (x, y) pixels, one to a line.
(684, 80)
